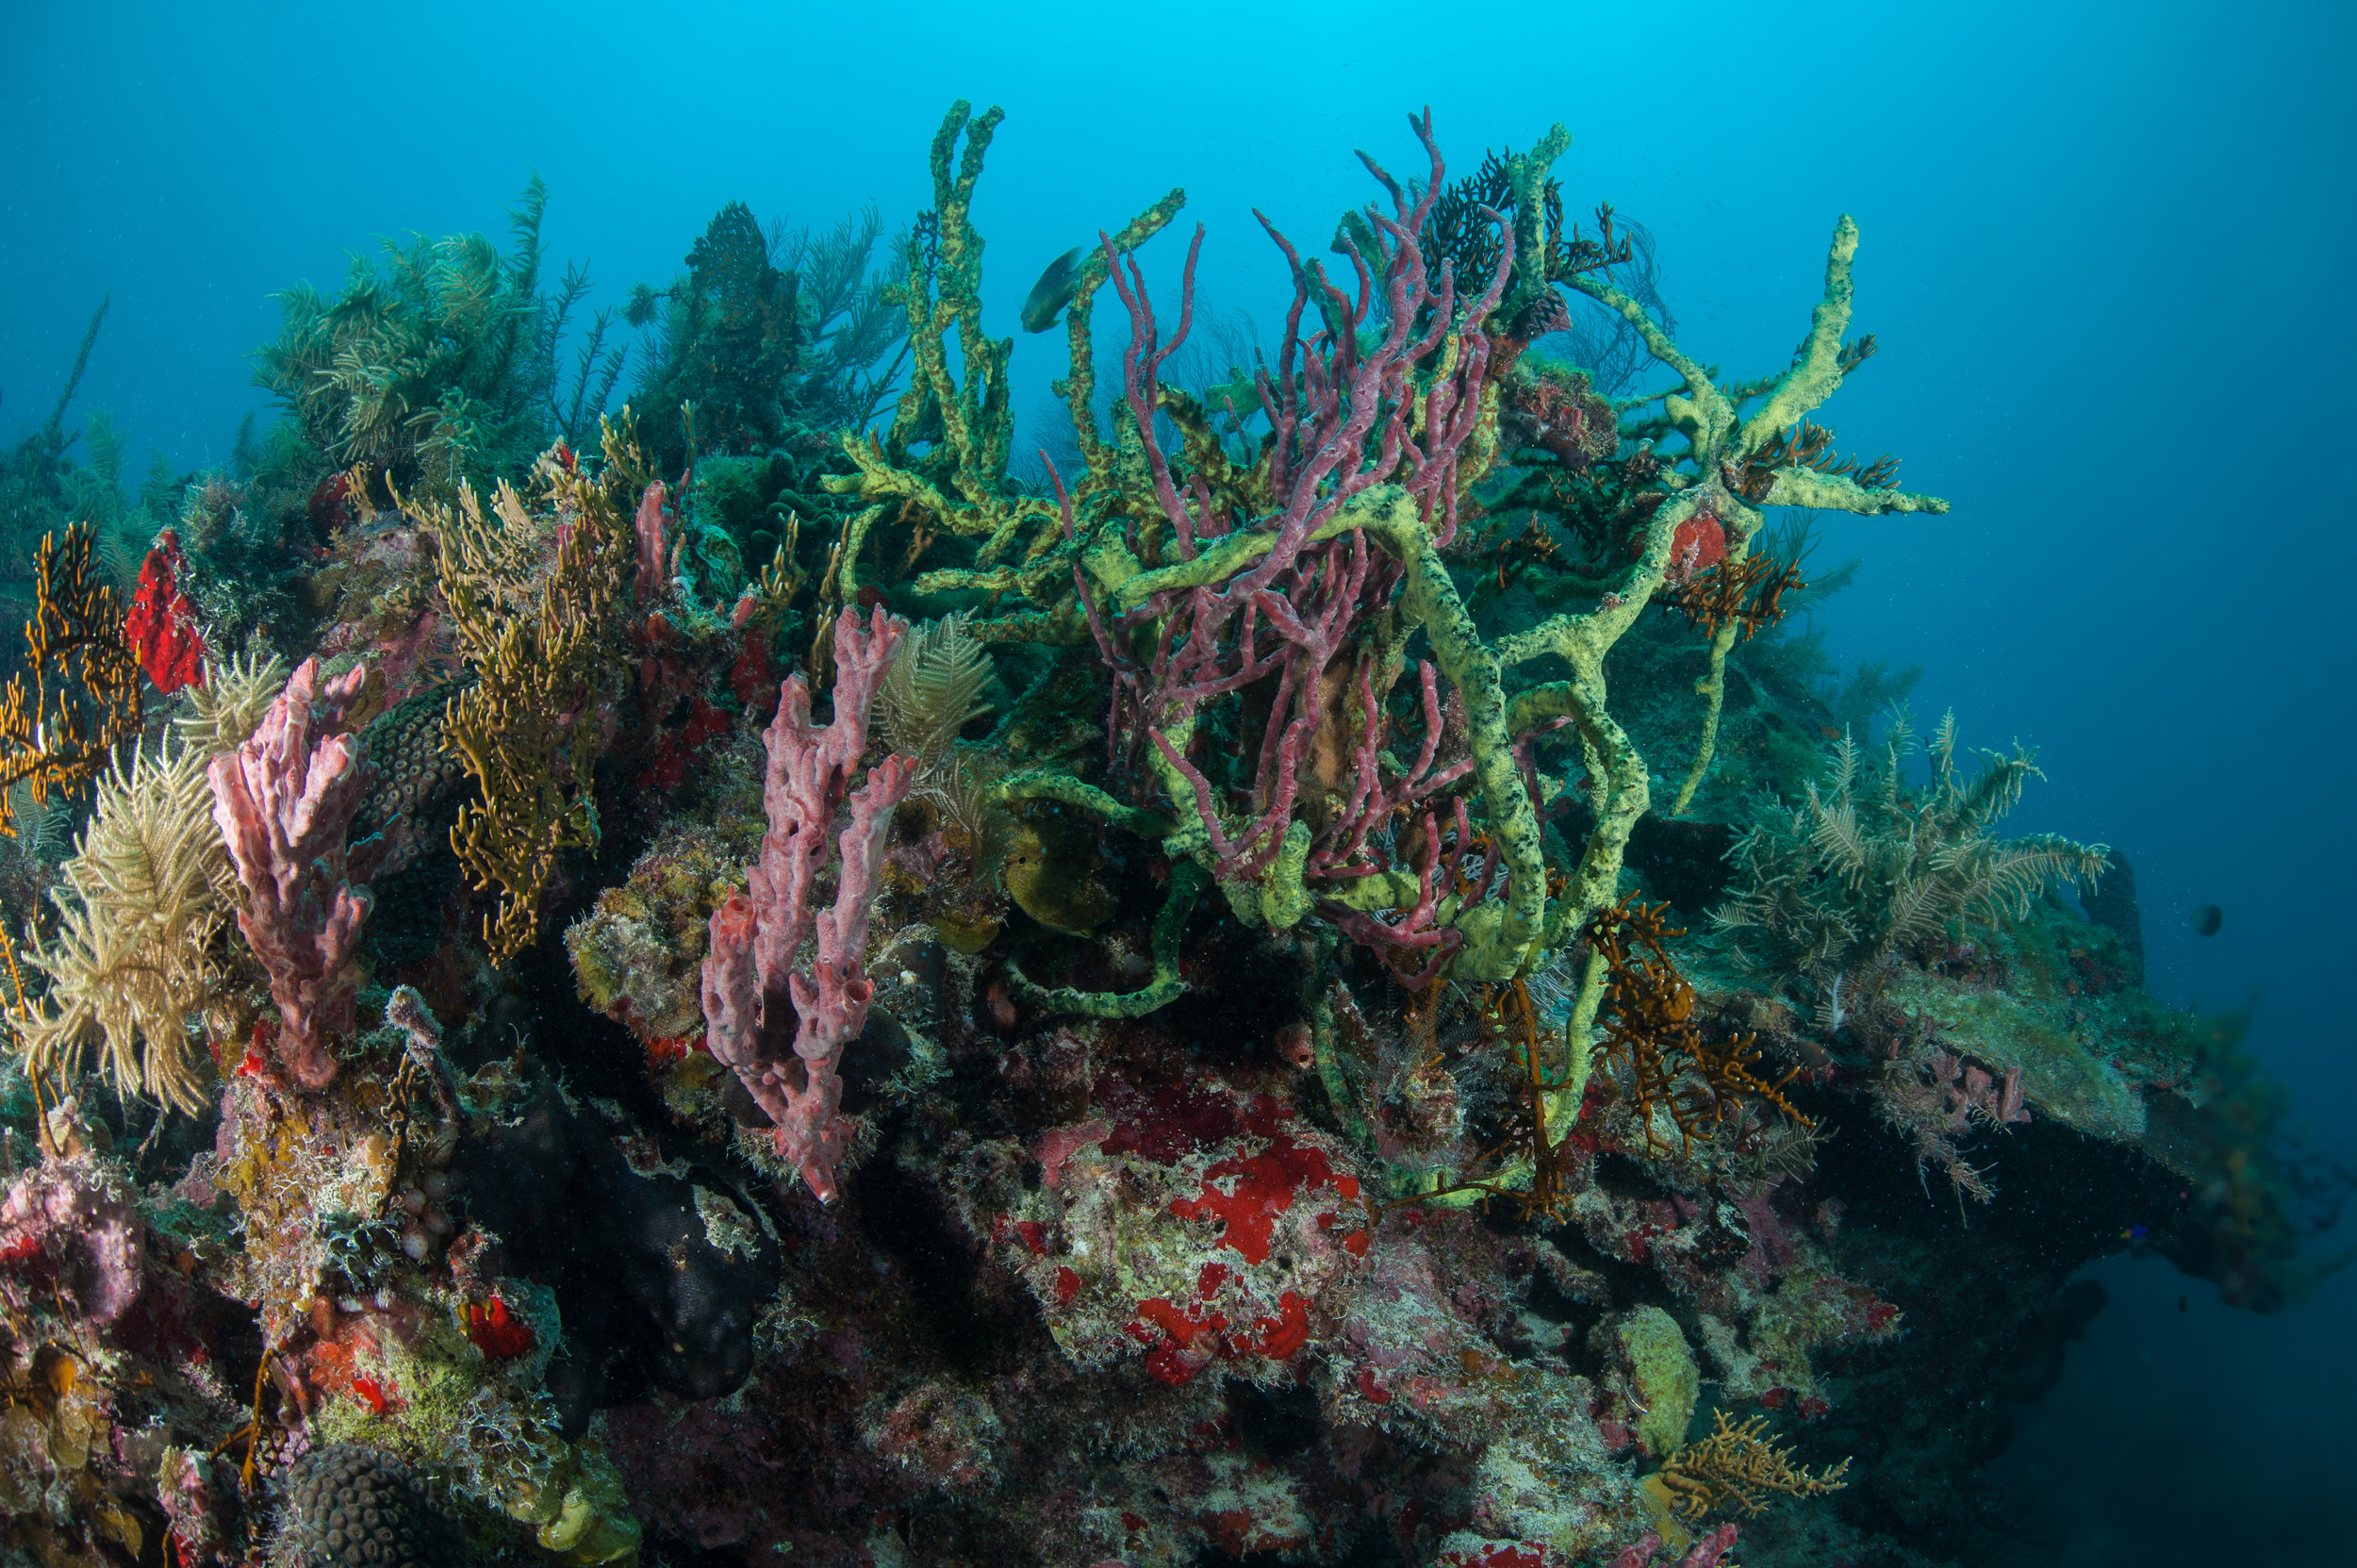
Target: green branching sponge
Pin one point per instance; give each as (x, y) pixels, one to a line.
(1305, 564)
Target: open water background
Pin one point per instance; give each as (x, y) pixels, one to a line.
(2107, 249)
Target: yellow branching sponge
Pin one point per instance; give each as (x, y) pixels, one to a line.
(943, 460)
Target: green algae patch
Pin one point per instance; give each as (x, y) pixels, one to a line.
(1662, 1375)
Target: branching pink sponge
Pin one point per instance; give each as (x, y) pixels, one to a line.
(285, 801)
(751, 986)
(648, 586)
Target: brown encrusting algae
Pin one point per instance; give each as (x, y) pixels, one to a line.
(1326, 978)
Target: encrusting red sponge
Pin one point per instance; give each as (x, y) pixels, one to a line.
(161, 627)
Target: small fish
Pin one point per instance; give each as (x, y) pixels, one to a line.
(2208, 918)
(2136, 1232)
(1052, 292)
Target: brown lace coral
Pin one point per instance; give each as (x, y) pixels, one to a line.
(1534, 1142)
(1808, 445)
(1736, 1470)
(533, 597)
(1654, 1038)
(1747, 594)
(84, 699)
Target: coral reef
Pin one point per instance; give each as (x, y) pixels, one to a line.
(1149, 1016)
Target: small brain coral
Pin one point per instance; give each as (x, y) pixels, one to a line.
(353, 1506)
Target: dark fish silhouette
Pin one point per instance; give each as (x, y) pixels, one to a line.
(1052, 292)
(2208, 918)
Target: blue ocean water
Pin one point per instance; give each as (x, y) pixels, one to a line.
(2107, 250)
